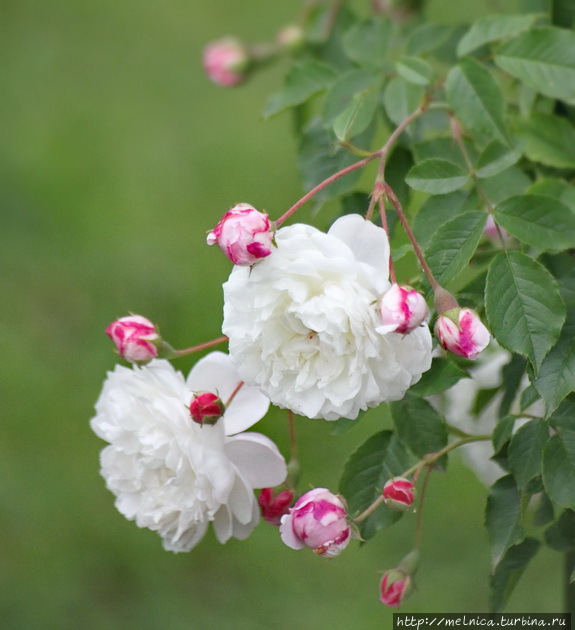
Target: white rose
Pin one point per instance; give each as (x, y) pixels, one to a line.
(302, 323)
(172, 475)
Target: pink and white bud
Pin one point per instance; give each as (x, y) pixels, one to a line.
(226, 61)
(402, 309)
(244, 235)
(135, 337)
(206, 408)
(291, 37)
(274, 506)
(399, 493)
(318, 520)
(460, 331)
(395, 586)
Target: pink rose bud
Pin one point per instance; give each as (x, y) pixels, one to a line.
(317, 520)
(395, 587)
(402, 310)
(226, 61)
(460, 331)
(273, 506)
(206, 408)
(135, 337)
(243, 234)
(399, 493)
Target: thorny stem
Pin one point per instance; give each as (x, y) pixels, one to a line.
(399, 209)
(202, 346)
(382, 154)
(428, 461)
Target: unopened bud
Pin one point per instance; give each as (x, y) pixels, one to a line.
(402, 309)
(136, 338)
(206, 408)
(226, 62)
(274, 506)
(399, 493)
(461, 331)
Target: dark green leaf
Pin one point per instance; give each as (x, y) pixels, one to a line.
(492, 28)
(508, 572)
(476, 98)
(503, 432)
(548, 139)
(442, 375)
(304, 80)
(366, 43)
(496, 157)
(401, 99)
(543, 59)
(526, 451)
(561, 535)
(528, 397)
(414, 70)
(545, 513)
(503, 517)
(378, 459)
(559, 469)
(436, 211)
(536, 220)
(418, 425)
(564, 416)
(436, 176)
(523, 305)
(453, 244)
(512, 375)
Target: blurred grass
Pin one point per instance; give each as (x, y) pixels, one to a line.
(117, 156)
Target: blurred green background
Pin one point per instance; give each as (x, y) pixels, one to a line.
(117, 156)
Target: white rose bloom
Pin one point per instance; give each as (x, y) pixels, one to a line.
(302, 322)
(172, 475)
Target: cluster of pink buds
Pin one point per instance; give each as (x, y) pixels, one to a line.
(226, 62)
(399, 493)
(244, 235)
(273, 506)
(136, 338)
(206, 408)
(318, 520)
(402, 309)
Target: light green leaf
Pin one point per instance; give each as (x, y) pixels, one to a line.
(493, 28)
(548, 139)
(358, 115)
(476, 98)
(414, 70)
(556, 188)
(543, 59)
(366, 43)
(511, 181)
(428, 37)
(378, 459)
(401, 99)
(509, 570)
(503, 517)
(536, 220)
(452, 246)
(523, 305)
(436, 176)
(496, 157)
(559, 469)
(526, 451)
(304, 80)
(340, 95)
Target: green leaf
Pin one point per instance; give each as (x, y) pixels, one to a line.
(545, 512)
(511, 181)
(543, 59)
(561, 535)
(536, 220)
(378, 459)
(559, 469)
(564, 416)
(528, 397)
(502, 432)
(419, 425)
(556, 188)
(493, 28)
(476, 98)
(526, 451)
(508, 572)
(436, 176)
(556, 378)
(503, 517)
(523, 305)
(414, 70)
(512, 375)
(303, 81)
(548, 139)
(358, 115)
(563, 13)
(401, 99)
(341, 93)
(496, 157)
(442, 375)
(366, 43)
(427, 38)
(452, 246)
(436, 211)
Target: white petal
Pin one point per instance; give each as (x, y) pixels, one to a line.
(258, 459)
(287, 534)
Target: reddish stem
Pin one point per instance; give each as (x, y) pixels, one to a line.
(233, 394)
(202, 346)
